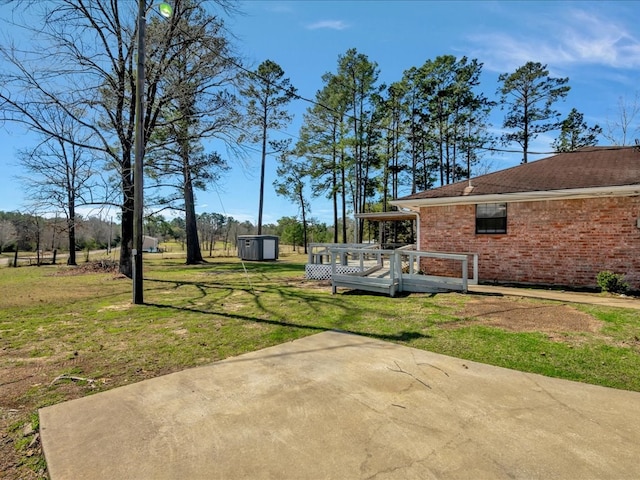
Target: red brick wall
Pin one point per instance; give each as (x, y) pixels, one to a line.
(560, 242)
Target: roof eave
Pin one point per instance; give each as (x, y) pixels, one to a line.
(574, 193)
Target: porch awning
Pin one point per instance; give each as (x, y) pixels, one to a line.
(387, 216)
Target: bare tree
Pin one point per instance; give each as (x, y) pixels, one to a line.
(84, 65)
(625, 128)
(60, 173)
(97, 231)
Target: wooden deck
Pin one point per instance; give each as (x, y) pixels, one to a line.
(389, 272)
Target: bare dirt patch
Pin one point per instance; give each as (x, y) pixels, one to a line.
(520, 315)
(22, 381)
(19, 379)
(308, 284)
(116, 307)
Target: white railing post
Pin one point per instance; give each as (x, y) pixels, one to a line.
(333, 255)
(396, 266)
(475, 268)
(465, 274)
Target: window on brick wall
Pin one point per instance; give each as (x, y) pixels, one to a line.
(491, 218)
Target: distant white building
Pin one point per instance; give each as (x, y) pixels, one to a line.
(150, 244)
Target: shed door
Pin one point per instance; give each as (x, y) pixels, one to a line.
(269, 249)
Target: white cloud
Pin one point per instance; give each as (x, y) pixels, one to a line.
(502, 52)
(328, 24)
(601, 41)
(576, 38)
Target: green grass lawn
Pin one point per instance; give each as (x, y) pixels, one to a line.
(54, 322)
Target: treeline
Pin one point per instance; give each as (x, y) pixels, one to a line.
(219, 231)
(27, 232)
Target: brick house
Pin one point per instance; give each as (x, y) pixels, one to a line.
(556, 221)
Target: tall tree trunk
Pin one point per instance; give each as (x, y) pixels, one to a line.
(334, 180)
(525, 135)
(194, 254)
(38, 258)
(304, 220)
(262, 168)
(126, 236)
(357, 154)
(334, 198)
(71, 229)
(385, 181)
(344, 200)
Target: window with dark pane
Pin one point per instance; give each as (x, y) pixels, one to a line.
(491, 218)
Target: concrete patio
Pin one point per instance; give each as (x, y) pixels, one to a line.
(340, 406)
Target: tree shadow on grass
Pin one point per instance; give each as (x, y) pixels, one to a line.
(226, 288)
(312, 299)
(402, 336)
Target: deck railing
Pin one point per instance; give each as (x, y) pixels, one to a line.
(412, 271)
(319, 252)
(405, 270)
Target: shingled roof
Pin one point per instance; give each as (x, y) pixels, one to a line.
(587, 168)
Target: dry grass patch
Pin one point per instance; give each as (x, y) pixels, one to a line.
(520, 315)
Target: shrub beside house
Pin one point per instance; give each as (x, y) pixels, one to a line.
(557, 222)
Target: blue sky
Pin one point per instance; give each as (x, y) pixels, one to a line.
(595, 44)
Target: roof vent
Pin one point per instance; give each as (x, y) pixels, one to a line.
(467, 190)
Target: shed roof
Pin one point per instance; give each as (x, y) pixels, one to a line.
(590, 168)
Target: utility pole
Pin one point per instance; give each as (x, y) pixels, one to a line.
(138, 198)
(138, 181)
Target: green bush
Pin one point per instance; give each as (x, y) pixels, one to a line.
(612, 282)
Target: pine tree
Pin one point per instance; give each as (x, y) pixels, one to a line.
(267, 92)
(357, 78)
(575, 133)
(529, 94)
(322, 143)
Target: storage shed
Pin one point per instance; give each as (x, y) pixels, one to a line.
(258, 247)
(149, 244)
